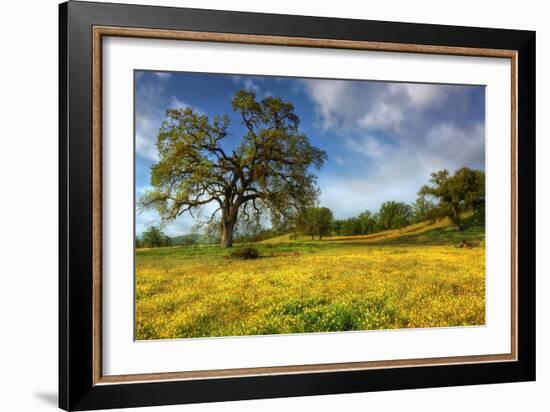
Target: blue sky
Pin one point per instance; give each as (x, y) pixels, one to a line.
(383, 139)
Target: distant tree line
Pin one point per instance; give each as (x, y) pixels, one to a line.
(446, 195)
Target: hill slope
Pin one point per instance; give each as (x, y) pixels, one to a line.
(441, 231)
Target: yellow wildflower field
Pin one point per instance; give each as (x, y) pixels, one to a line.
(415, 278)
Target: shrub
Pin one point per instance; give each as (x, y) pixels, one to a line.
(246, 253)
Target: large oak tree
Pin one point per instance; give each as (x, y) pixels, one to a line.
(464, 190)
(268, 170)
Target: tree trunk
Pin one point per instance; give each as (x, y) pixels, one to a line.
(227, 234)
(456, 218)
(228, 224)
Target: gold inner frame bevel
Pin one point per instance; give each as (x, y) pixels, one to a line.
(101, 31)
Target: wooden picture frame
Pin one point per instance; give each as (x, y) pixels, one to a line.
(82, 385)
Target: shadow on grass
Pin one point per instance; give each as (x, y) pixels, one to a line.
(473, 230)
(443, 236)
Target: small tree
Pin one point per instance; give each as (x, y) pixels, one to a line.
(351, 227)
(315, 221)
(465, 190)
(154, 237)
(307, 222)
(337, 227)
(394, 215)
(324, 222)
(367, 222)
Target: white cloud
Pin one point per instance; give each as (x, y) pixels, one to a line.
(382, 116)
(145, 122)
(175, 103)
(332, 98)
(163, 75)
(368, 146)
(152, 101)
(348, 197)
(375, 113)
(250, 85)
(148, 99)
(182, 225)
(463, 145)
(146, 219)
(356, 105)
(420, 95)
(146, 147)
(404, 131)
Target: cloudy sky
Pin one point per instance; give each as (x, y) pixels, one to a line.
(382, 139)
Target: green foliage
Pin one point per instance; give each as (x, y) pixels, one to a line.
(424, 210)
(307, 222)
(267, 172)
(368, 222)
(315, 221)
(465, 190)
(363, 224)
(394, 215)
(348, 227)
(318, 315)
(324, 222)
(154, 237)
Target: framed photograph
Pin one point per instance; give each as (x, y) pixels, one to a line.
(256, 206)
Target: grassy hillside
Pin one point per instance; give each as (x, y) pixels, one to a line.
(415, 277)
